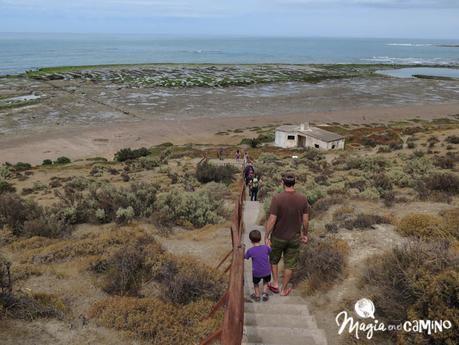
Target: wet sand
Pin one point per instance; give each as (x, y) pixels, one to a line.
(105, 139)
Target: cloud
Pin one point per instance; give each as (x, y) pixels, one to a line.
(373, 3)
(151, 8)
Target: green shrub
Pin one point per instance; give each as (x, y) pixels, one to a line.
(124, 215)
(418, 167)
(148, 163)
(20, 166)
(62, 160)
(313, 154)
(188, 209)
(370, 194)
(400, 178)
(47, 162)
(129, 154)
(5, 172)
(252, 142)
(207, 172)
(6, 187)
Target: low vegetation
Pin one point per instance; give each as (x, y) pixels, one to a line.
(417, 282)
(322, 264)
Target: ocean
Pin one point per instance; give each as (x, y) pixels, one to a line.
(21, 52)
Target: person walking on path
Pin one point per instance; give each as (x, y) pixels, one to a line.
(238, 156)
(220, 154)
(254, 186)
(261, 270)
(286, 228)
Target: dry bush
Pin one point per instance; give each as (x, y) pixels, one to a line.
(322, 205)
(365, 221)
(126, 272)
(428, 226)
(88, 245)
(452, 139)
(382, 182)
(127, 268)
(443, 182)
(444, 162)
(416, 282)
(343, 213)
(5, 275)
(450, 220)
(155, 321)
(359, 184)
(32, 307)
(322, 262)
(186, 280)
(15, 212)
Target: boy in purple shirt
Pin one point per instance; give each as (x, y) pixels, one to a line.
(261, 268)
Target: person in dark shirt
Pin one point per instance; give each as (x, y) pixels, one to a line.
(286, 228)
(261, 269)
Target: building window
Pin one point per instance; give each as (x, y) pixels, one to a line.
(316, 146)
(290, 137)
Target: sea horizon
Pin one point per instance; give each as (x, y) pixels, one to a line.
(20, 52)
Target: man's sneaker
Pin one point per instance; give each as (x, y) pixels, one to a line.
(265, 297)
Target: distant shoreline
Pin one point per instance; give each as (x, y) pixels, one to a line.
(64, 68)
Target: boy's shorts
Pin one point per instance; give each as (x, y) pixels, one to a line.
(289, 249)
(266, 279)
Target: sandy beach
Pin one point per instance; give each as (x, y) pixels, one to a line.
(103, 140)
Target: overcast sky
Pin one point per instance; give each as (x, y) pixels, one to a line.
(335, 18)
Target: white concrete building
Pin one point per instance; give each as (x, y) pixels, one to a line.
(289, 136)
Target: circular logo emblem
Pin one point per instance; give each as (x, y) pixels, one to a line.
(365, 308)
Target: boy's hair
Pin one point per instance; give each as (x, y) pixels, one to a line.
(255, 236)
(288, 179)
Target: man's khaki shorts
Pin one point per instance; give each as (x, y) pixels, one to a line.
(289, 249)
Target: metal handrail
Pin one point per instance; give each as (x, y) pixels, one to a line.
(233, 300)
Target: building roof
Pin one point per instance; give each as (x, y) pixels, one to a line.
(314, 132)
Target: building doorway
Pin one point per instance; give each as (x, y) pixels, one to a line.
(301, 141)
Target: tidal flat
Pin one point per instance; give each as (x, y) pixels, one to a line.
(151, 104)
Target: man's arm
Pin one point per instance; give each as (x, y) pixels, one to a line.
(269, 228)
(304, 233)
